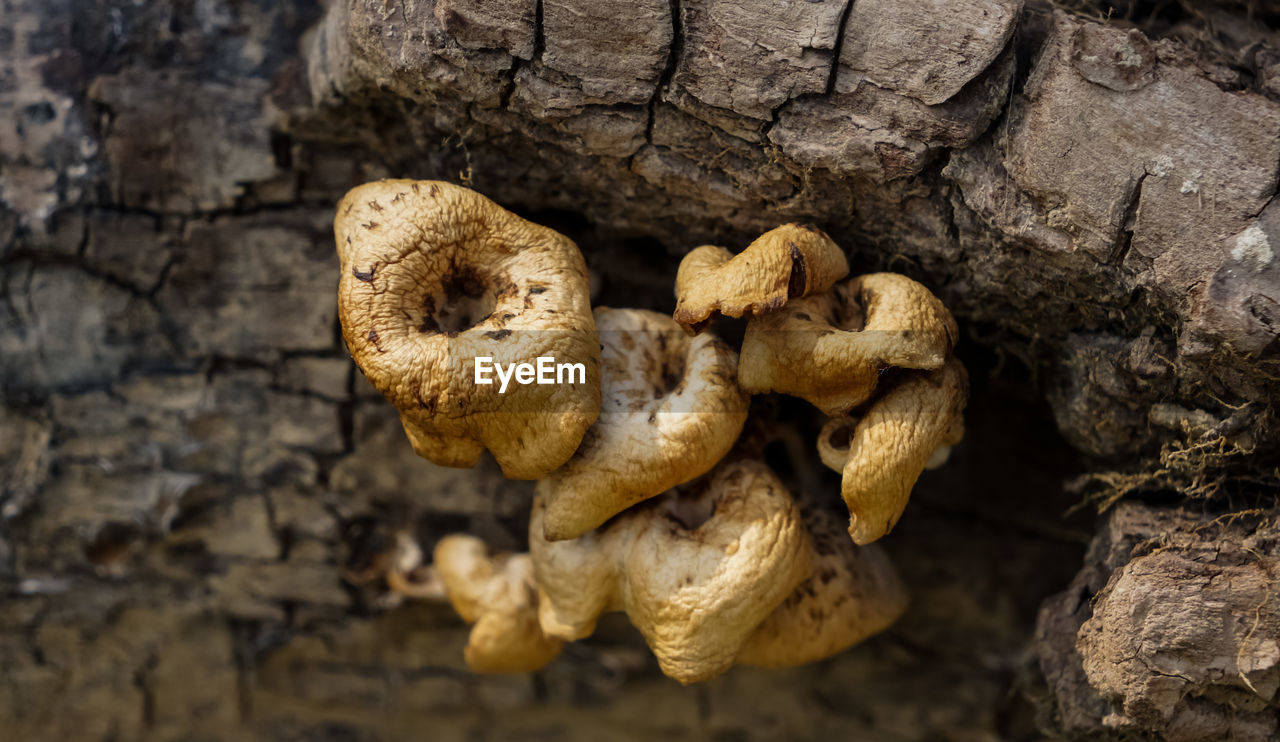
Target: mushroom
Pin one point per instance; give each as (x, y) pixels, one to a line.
(498, 597)
(435, 276)
(671, 410)
(695, 572)
(831, 349)
(788, 262)
(853, 594)
(881, 453)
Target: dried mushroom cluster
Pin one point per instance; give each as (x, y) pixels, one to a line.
(648, 501)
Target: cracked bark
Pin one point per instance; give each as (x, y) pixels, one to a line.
(188, 461)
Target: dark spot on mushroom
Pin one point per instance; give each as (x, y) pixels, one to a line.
(366, 277)
(370, 225)
(507, 316)
(537, 290)
(462, 302)
(429, 404)
(672, 381)
(803, 316)
(826, 575)
(906, 334)
(799, 279)
(462, 283)
(823, 544)
(373, 338)
(497, 334)
(375, 206)
(698, 327)
(429, 322)
(840, 437)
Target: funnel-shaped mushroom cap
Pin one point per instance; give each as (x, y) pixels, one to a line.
(435, 276)
(830, 349)
(853, 594)
(671, 410)
(788, 262)
(695, 573)
(499, 597)
(882, 453)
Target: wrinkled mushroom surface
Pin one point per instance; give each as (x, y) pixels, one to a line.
(830, 349)
(881, 453)
(498, 597)
(435, 276)
(671, 410)
(695, 573)
(788, 262)
(854, 593)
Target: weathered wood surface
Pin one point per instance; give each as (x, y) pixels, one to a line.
(187, 460)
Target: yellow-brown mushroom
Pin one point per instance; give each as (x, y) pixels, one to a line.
(498, 597)
(854, 593)
(671, 410)
(434, 277)
(788, 262)
(830, 349)
(696, 572)
(881, 453)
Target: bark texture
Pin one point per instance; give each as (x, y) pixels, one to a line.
(193, 480)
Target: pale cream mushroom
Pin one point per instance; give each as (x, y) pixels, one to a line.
(671, 410)
(435, 276)
(788, 262)
(696, 572)
(854, 593)
(497, 595)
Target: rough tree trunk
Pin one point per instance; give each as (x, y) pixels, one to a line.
(189, 464)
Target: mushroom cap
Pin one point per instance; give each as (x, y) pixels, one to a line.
(498, 597)
(696, 573)
(854, 593)
(435, 276)
(830, 349)
(671, 410)
(788, 262)
(882, 453)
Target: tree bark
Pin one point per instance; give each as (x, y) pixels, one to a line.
(194, 480)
